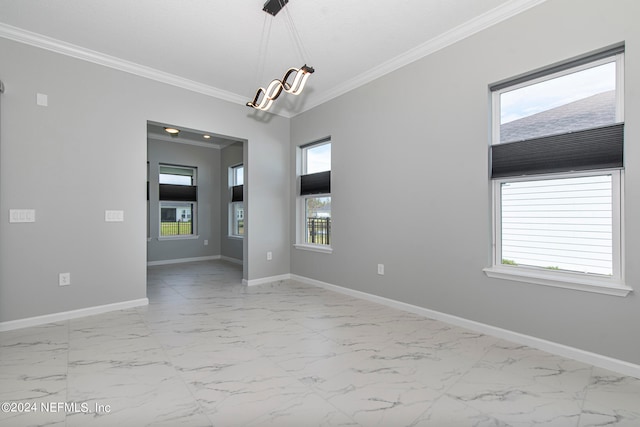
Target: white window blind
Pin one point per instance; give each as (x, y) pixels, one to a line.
(559, 224)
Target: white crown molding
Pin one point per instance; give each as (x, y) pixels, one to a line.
(467, 29)
(484, 21)
(38, 40)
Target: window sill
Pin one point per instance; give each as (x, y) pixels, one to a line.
(186, 237)
(314, 248)
(600, 285)
(232, 237)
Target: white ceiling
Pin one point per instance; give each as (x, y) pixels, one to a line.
(214, 46)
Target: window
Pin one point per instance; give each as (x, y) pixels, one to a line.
(561, 223)
(557, 176)
(178, 201)
(236, 206)
(314, 209)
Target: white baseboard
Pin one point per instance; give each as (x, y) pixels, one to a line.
(181, 260)
(594, 359)
(233, 260)
(73, 314)
(255, 282)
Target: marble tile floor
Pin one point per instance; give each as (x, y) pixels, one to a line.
(208, 351)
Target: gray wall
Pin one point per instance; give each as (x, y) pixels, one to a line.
(410, 186)
(87, 152)
(410, 147)
(207, 160)
(230, 247)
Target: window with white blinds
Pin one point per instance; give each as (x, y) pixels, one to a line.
(559, 224)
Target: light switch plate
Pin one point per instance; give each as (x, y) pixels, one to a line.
(114, 216)
(42, 99)
(22, 215)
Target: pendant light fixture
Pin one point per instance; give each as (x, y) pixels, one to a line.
(294, 79)
(265, 97)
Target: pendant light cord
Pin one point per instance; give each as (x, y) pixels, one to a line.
(263, 49)
(295, 35)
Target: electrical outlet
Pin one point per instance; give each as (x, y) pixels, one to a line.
(64, 279)
(269, 256)
(381, 269)
(206, 243)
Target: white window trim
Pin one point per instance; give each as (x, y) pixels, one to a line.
(617, 58)
(302, 227)
(232, 176)
(230, 231)
(194, 220)
(194, 213)
(301, 224)
(181, 237)
(326, 249)
(613, 285)
(559, 280)
(304, 153)
(231, 182)
(193, 169)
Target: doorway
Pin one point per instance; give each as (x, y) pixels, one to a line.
(195, 196)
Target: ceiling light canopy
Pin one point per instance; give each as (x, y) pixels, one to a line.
(272, 7)
(294, 79)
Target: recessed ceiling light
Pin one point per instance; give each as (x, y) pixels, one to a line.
(206, 136)
(172, 131)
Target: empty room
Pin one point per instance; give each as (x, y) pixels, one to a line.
(320, 213)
